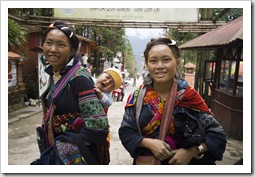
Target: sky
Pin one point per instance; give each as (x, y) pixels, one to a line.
(138, 38)
(143, 33)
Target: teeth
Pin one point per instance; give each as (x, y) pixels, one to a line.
(53, 57)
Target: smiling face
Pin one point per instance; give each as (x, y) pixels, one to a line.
(162, 64)
(57, 49)
(105, 82)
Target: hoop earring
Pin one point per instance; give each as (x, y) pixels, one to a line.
(146, 77)
(44, 60)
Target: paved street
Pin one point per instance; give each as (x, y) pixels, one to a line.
(23, 144)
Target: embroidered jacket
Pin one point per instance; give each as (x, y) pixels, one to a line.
(150, 116)
(78, 116)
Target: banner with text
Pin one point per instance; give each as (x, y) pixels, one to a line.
(137, 14)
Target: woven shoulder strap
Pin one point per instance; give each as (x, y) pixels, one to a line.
(139, 104)
(49, 114)
(168, 111)
(61, 85)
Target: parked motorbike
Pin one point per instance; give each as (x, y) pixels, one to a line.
(116, 94)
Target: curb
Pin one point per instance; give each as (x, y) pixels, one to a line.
(23, 113)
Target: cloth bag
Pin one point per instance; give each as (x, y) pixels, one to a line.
(147, 160)
(41, 138)
(188, 130)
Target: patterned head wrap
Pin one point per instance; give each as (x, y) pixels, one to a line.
(166, 41)
(65, 29)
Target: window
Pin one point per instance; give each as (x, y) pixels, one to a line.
(239, 88)
(227, 77)
(209, 70)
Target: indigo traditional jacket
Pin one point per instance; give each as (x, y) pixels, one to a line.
(214, 137)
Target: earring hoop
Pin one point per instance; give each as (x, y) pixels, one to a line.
(146, 77)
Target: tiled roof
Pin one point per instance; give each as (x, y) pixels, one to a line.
(189, 65)
(13, 56)
(222, 35)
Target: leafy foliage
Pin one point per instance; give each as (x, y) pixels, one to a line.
(31, 11)
(230, 14)
(110, 41)
(17, 35)
(130, 62)
(181, 38)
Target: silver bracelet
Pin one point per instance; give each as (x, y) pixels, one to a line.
(198, 157)
(200, 148)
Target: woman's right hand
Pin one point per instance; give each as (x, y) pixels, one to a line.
(159, 148)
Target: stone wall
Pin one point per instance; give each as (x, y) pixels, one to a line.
(16, 86)
(16, 98)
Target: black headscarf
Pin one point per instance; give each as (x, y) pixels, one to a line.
(58, 24)
(66, 30)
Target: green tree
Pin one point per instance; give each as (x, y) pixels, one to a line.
(227, 14)
(181, 38)
(31, 11)
(130, 61)
(17, 35)
(110, 41)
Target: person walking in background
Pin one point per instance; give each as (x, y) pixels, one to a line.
(75, 124)
(134, 81)
(109, 80)
(175, 125)
(122, 87)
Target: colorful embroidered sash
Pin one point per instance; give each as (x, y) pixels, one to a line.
(157, 107)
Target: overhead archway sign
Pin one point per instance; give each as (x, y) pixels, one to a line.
(135, 14)
(181, 19)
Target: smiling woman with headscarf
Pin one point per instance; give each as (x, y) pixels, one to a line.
(75, 123)
(191, 134)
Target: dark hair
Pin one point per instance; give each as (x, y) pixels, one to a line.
(166, 41)
(65, 29)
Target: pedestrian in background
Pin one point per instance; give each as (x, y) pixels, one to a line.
(123, 87)
(75, 124)
(134, 81)
(191, 134)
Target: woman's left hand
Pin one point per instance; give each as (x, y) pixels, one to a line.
(182, 156)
